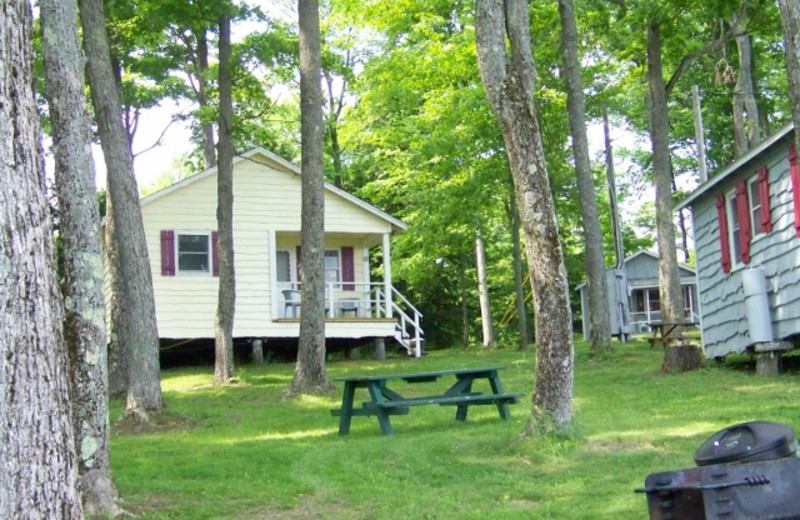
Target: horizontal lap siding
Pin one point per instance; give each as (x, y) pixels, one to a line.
(265, 199)
(724, 317)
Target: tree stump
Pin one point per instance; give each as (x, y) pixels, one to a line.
(682, 357)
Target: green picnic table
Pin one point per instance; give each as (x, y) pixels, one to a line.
(385, 401)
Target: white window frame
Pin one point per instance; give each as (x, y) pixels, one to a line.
(755, 223)
(733, 230)
(210, 254)
(338, 283)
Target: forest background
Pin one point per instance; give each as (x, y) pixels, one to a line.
(409, 129)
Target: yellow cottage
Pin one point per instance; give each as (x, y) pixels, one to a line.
(180, 226)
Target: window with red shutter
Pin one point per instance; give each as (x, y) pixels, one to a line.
(765, 214)
(348, 269)
(725, 249)
(794, 172)
(167, 252)
(743, 212)
(215, 253)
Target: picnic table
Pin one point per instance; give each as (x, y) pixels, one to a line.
(385, 401)
(662, 331)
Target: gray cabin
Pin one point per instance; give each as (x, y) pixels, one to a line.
(633, 300)
(747, 242)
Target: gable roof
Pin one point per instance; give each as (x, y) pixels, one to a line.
(279, 163)
(734, 166)
(646, 254)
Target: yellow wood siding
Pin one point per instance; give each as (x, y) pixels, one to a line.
(265, 200)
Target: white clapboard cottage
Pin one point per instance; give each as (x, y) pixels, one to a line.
(180, 226)
(747, 241)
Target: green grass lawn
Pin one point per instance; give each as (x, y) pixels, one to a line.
(245, 452)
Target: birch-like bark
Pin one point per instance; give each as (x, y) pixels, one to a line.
(82, 285)
(509, 79)
(39, 477)
(483, 293)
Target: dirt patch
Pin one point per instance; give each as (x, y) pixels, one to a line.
(307, 507)
(166, 422)
(617, 447)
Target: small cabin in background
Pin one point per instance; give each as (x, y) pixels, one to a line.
(747, 241)
(633, 298)
(181, 231)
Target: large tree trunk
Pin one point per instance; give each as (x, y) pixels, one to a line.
(745, 109)
(130, 272)
(201, 70)
(39, 477)
(670, 295)
(509, 80)
(790, 20)
(600, 324)
(84, 329)
(310, 376)
(483, 292)
(223, 324)
(519, 284)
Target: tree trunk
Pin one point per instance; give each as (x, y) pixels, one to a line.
(790, 20)
(597, 286)
(118, 364)
(310, 376)
(509, 80)
(84, 328)
(519, 284)
(483, 292)
(335, 106)
(462, 286)
(226, 304)
(670, 295)
(201, 69)
(39, 477)
(745, 109)
(130, 272)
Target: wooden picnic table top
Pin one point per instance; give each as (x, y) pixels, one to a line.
(422, 376)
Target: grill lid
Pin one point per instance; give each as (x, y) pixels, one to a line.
(749, 441)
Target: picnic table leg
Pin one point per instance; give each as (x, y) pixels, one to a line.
(463, 409)
(347, 408)
(497, 388)
(376, 394)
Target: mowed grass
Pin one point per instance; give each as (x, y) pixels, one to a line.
(246, 452)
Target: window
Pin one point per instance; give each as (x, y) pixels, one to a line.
(284, 268)
(755, 208)
(332, 266)
(194, 252)
(734, 228)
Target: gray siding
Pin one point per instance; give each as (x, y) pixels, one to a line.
(724, 318)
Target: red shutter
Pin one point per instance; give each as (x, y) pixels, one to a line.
(299, 267)
(348, 269)
(215, 253)
(723, 233)
(167, 252)
(743, 210)
(795, 174)
(763, 194)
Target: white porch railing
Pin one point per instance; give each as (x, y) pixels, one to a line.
(368, 300)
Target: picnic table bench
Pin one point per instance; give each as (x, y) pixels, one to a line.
(385, 401)
(662, 331)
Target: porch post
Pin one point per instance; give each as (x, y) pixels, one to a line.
(273, 275)
(387, 275)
